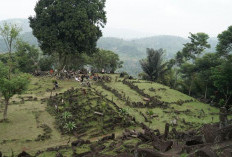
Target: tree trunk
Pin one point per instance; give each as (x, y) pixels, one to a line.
(5, 110)
(190, 88)
(166, 132)
(174, 86)
(206, 90)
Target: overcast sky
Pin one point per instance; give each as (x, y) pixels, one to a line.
(155, 17)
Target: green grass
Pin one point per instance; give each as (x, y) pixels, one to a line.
(23, 128)
(133, 95)
(168, 95)
(25, 119)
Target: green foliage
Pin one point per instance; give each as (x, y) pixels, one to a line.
(68, 26)
(27, 57)
(122, 112)
(11, 84)
(107, 60)
(70, 126)
(154, 66)
(9, 33)
(150, 113)
(221, 76)
(197, 45)
(66, 115)
(77, 61)
(45, 63)
(224, 46)
(16, 85)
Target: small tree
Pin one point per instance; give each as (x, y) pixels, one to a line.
(9, 33)
(154, 65)
(27, 57)
(105, 59)
(11, 86)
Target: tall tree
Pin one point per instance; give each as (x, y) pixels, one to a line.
(221, 76)
(68, 26)
(154, 66)
(191, 51)
(10, 33)
(188, 74)
(224, 46)
(203, 67)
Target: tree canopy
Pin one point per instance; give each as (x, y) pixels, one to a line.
(221, 76)
(27, 57)
(197, 45)
(107, 60)
(68, 26)
(224, 46)
(9, 33)
(154, 65)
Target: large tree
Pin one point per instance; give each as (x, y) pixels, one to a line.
(68, 26)
(154, 66)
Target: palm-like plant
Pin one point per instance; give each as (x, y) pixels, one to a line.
(123, 113)
(150, 113)
(66, 115)
(154, 66)
(70, 126)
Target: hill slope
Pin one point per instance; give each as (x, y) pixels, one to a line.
(32, 128)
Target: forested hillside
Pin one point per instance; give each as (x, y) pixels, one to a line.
(130, 51)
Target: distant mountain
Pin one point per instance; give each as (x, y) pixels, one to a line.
(22, 23)
(130, 51)
(124, 33)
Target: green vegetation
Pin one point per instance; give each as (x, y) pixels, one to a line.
(107, 113)
(205, 76)
(26, 119)
(72, 27)
(154, 66)
(107, 60)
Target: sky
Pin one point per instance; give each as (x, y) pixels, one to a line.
(149, 17)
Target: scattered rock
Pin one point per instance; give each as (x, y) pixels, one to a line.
(150, 153)
(80, 142)
(194, 141)
(210, 132)
(58, 154)
(226, 153)
(204, 152)
(24, 154)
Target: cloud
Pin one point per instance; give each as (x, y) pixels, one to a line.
(175, 17)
